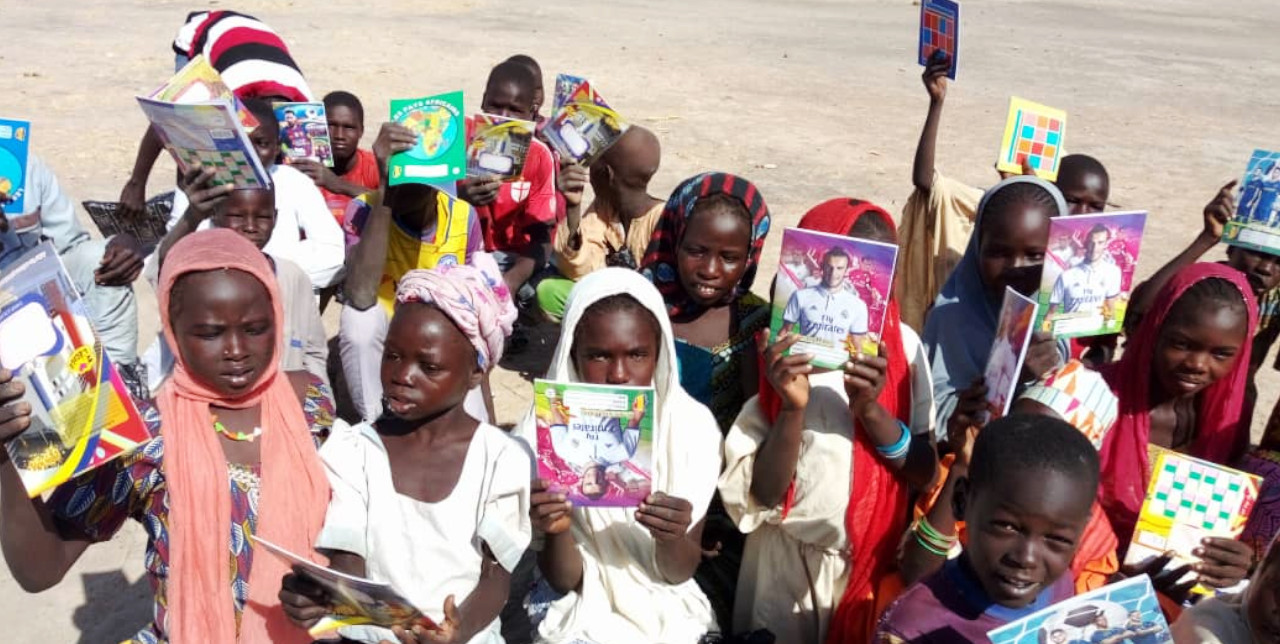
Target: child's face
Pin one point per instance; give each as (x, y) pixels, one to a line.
(266, 142)
(1024, 528)
(1012, 247)
(1085, 192)
(225, 329)
(345, 131)
(428, 365)
(252, 213)
(1261, 269)
(712, 255)
(617, 347)
(1197, 347)
(507, 98)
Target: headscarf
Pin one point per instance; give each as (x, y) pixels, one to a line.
(659, 263)
(961, 327)
(1221, 430)
(293, 491)
(478, 302)
(1081, 397)
(877, 512)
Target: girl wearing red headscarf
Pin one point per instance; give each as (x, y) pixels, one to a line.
(807, 475)
(1181, 385)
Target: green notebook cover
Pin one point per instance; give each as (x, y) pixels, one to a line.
(440, 157)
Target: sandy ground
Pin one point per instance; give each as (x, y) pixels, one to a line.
(810, 98)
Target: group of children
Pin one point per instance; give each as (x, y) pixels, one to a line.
(874, 502)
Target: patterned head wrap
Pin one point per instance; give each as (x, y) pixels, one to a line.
(473, 296)
(1081, 396)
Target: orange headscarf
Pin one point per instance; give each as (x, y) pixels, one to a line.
(293, 493)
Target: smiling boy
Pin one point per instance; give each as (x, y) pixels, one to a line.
(355, 171)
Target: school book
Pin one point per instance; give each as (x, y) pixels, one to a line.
(148, 228)
(207, 134)
(15, 141)
(1033, 132)
(1008, 351)
(81, 412)
(440, 155)
(834, 292)
(356, 601)
(940, 31)
(498, 146)
(595, 442)
(582, 125)
(304, 132)
(1256, 224)
(1088, 273)
(197, 82)
(1127, 611)
(1187, 500)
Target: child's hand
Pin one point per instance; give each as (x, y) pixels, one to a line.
(1027, 170)
(392, 138)
(446, 632)
(666, 517)
(121, 262)
(1225, 562)
(969, 416)
(1042, 356)
(15, 415)
(202, 196)
(320, 174)
(550, 512)
(864, 379)
(480, 191)
(935, 76)
(788, 374)
(1164, 581)
(573, 179)
(303, 601)
(1219, 211)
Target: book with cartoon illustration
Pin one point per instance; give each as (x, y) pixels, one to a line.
(198, 82)
(1008, 351)
(1124, 612)
(304, 132)
(1088, 273)
(440, 155)
(209, 135)
(497, 146)
(15, 141)
(1256, 224)
(356, 601)
(595, 442)
(582, 125)
(833, 291)
(81, 414)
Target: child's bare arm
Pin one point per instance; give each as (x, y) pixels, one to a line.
(551, 515)
(915, 562)
(536, 255)
(327, 178)
(203, 200)
(678, 547)
(134, 195)
(935, 82)
(485, 601)
(864, 378)
(775, 464)
(369, 256)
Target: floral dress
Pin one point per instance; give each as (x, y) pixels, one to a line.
(95, 505)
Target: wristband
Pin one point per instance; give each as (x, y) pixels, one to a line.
(899, 449)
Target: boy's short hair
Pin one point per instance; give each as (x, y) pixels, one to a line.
(261, 109)
(527, 61)
(344, 99)
(514, 72)
(1021, 442)
(1082, 164)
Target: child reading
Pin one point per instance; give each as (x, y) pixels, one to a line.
(355, 171)
(623, 575)
(1181, 385)
(1252, 616)
(428, 498)
(617, 227)
(233, 458)
(1026, 500)
(1007, 249)
(818, 468)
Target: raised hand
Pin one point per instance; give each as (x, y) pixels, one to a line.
(788, 374)
(667, 517)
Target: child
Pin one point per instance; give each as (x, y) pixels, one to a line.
(354, 171)
(428, 498)
(1252, 616)
(617, 227)
(1026, 499)
(516, 216)
(1006, 249)
(305, 232)
(233, 458)
(832, 509)
(1181, 386)
(623, 575)
(413, 226)
(539, 95)
(252, 214)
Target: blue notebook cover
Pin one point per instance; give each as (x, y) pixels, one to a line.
(15, 138)
(940, 29)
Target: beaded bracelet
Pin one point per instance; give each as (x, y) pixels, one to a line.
(931, 539)
(924, 543)
(899, 449)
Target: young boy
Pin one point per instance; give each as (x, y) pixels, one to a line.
(1026, 500)
(305, 233)
(539, 95)
(413, 226)
(252, 213)
(354, 171)
(619, 223)
(517, 216)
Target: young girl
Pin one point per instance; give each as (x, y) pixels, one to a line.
(622, 574)
(1006, 249)
(428, 498)
(817, 556)
(234, 457)
(1181, 385)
